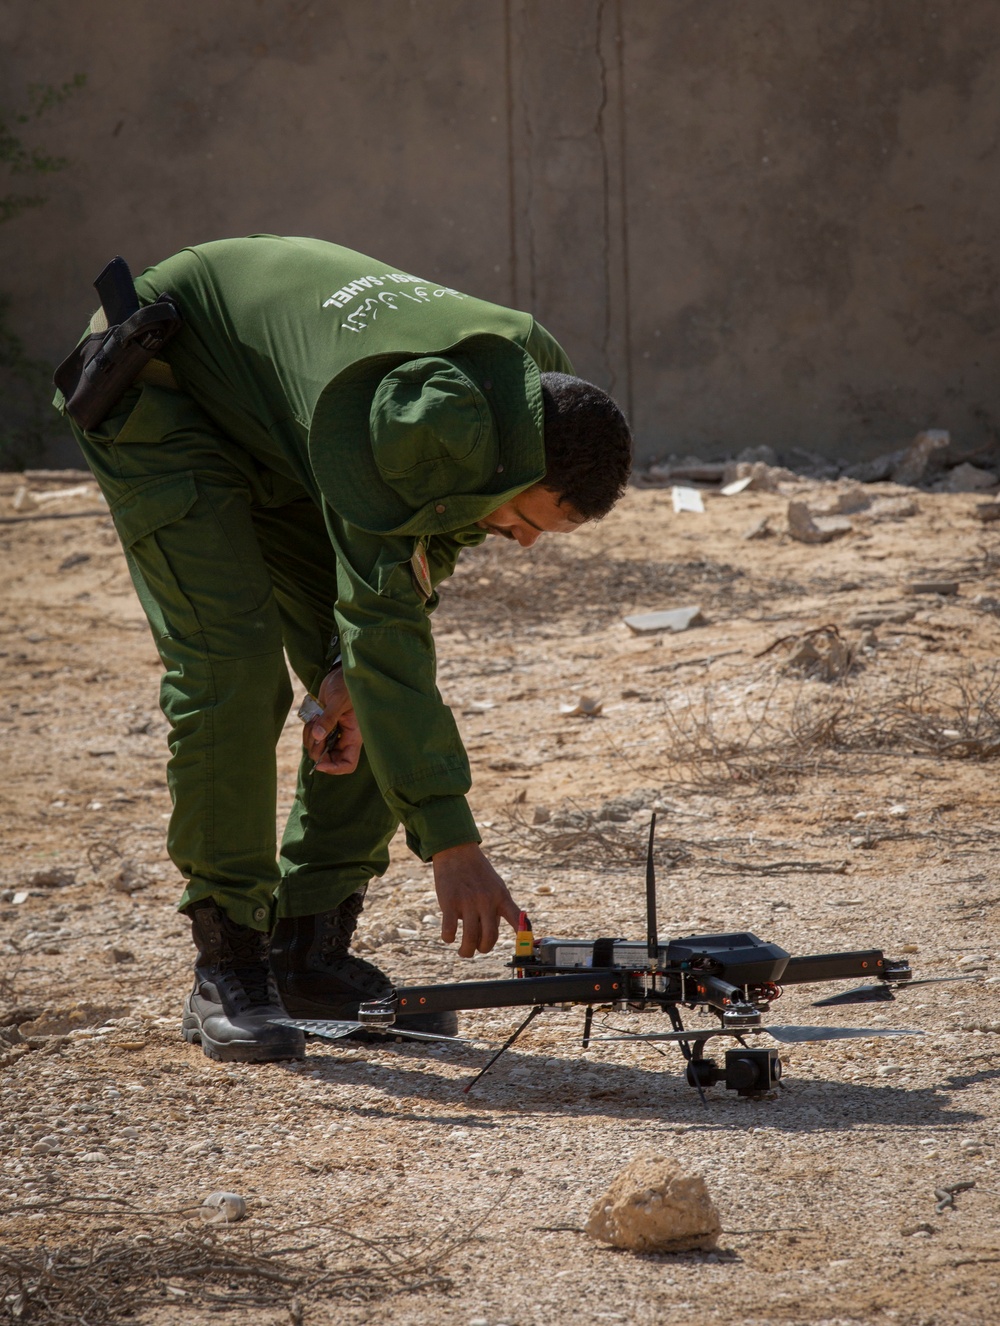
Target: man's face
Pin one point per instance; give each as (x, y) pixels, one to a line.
(533, 512)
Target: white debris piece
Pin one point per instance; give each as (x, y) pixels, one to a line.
(586, 707)
(674, 619)
(687, 499)
(57, 494)
(737, 486)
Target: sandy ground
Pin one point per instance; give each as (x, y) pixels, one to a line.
(822, 815)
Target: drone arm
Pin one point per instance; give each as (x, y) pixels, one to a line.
(591, 987)
(836, 967)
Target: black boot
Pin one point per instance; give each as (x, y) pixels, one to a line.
(319, 978)
(233, 1012)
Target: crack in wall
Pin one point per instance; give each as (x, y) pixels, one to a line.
(623, 206)
(511, 174)
(599, 130)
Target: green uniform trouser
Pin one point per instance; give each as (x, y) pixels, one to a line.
(233, 565)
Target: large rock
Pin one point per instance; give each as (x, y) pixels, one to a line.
(654, 1206)
(875, 470)
(924, 458)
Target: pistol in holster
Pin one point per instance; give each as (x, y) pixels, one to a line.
(99, 371)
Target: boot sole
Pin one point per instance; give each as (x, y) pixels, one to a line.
(229, 1052)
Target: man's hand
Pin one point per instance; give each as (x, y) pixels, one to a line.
(470, 890)
(337, 712)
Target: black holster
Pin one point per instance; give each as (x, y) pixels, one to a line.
(99, 371)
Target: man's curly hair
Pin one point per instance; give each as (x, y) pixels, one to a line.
(588, 445)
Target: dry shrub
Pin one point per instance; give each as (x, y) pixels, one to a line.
(105, 1278)
(581, 838)
(774, 740)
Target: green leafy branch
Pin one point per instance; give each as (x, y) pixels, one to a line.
(26, 421)
(21, 159)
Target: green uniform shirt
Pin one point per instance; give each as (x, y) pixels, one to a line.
(269, 322)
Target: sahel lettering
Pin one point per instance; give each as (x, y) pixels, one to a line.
(342, 297)
(357, 320)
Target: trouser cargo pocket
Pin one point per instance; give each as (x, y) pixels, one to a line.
(184, 539)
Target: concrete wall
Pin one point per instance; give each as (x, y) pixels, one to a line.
(757, 221)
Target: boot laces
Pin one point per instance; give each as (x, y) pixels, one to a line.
(250, 984)
(365, 977)
(338, 926)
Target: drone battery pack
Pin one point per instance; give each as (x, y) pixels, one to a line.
(740, 958)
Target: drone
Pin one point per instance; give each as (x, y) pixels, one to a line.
(734, 977)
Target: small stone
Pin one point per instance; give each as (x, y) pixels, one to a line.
(202, 1148)
(52, 877)
(899, 811)
(892, 615)
(223, 1208)
(122, 954)
(910, 948)
(674, 619)
(807, 528)
(926, 455)
(93, 1158)
(967, 478)
(891, 508)
(974, 960)
(74, 559)
(45, 1146)
(24, 500)
(764, 477)
(848, 502)
(128, 877)
(654, 1206)
(908, 1231)
(947, 587)
(987, 511)
(541, 815)
(761, 529)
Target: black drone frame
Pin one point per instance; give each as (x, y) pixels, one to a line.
(734, 976)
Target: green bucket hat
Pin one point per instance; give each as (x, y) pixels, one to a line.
(404, 445)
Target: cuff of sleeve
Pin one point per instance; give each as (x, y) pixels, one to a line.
(440, 823)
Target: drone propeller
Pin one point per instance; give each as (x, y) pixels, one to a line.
(796, 1035)
(787, 1035)
(337, 1029)
(884, 993)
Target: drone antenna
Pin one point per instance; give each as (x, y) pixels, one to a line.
(652, 938)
